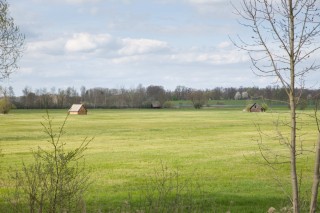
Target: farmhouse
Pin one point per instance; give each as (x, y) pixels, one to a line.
(256, 108)
(77, 109)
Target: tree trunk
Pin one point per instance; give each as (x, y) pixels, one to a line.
(315, 185)
(294, 179)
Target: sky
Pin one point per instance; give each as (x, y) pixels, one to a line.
(124, 43)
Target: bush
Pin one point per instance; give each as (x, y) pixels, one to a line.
(146, 104)
(303, 104)
(197, 105)
(168, 104)
(220, 103)
(56, 181)
(247, 108)
(265, 106)
(5, 105)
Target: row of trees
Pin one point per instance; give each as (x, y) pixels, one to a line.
(140, 97)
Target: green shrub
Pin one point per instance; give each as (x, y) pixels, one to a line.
(247, 108)
(5, 105)
(265, 106)
(146, 104)
(197, 105)
(220, 103)
(303, 104)
(168, 104)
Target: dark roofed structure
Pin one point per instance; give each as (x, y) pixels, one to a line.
(156, 104)
(256, 108)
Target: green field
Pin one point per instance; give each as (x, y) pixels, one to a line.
(216, 149)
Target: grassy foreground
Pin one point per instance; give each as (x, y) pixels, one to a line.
(216, 149)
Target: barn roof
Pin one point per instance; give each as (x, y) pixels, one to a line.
(257, 107)
(156, 104)
(75, 107)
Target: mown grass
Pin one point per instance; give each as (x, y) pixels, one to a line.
(216, 149)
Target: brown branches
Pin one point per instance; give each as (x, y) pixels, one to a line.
(11, 42)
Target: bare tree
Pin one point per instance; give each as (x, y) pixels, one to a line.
(283, 41)
(156, 93)
(198, 98)
(11, 42)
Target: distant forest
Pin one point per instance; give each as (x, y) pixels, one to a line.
(148, 97)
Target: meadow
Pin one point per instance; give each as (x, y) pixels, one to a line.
(214, 149)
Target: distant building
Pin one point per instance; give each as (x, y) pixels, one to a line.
(77, 109)
(156, 104)
(256, 108)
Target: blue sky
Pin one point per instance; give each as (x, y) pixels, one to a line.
(124, 43)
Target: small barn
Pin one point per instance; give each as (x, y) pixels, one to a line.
(156, 105)
(77, 109)
(256, 108)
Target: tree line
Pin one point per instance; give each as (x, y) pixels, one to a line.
(142, 97)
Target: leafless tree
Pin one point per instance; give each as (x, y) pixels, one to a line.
(156, 93)
(11, 42)
(284, 40)
(198, 98)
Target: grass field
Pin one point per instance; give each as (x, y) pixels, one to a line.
(216, 149)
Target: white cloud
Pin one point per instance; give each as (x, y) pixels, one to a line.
(85, 42)
(141, 46)
(49, 47)
(215, 57)
(224, 44)
(113, 50)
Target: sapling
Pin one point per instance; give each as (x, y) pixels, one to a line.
(57, 179)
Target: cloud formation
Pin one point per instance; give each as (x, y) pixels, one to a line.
(110, 43)
(85, 42)
(141, 46)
